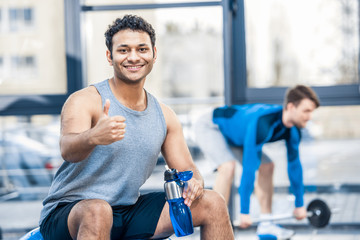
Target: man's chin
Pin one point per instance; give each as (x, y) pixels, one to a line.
(132, 81)
(300, 125)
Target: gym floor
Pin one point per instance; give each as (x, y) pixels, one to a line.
(301, 234)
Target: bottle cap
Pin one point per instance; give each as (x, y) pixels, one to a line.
(170, 174)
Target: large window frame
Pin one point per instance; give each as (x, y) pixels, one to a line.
(75, 58)
(236, 90)
(52, 103)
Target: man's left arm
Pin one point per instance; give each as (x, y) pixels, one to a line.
(295, 172)
(177, 155)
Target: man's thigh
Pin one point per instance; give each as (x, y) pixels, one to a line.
(238, 153)
(55, 225)
(164, 226)
(211, 141)
(138, 221)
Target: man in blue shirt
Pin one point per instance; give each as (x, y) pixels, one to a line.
(238, 133)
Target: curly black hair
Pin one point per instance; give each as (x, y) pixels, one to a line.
(132, 22)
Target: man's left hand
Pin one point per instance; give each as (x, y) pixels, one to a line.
(300, 213)
(193, 190)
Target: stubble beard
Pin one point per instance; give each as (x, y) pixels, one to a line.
(127, 80)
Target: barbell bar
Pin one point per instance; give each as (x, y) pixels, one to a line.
(318, 214)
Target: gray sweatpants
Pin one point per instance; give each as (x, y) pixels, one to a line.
(214, 145)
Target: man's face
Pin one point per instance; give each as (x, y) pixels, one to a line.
(302, 113)
(132, 55)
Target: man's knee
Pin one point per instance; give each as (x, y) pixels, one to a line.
(212, 204)
(96, 210)
(216, 200)
(227, 169)
(97, 207)
(91, 215)
(267, 169)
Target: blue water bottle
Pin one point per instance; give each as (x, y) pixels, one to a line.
(180, 213)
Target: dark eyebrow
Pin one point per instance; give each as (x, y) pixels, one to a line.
(126, 45)
(143, 45)
(122, 45)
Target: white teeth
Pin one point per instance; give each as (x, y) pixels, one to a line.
(135, 67)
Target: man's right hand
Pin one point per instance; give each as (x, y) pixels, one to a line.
(245, 220)
(108, 129)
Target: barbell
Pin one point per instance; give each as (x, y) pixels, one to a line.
(318, 214)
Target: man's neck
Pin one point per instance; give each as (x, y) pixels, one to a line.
(286, 119)
(132, 96)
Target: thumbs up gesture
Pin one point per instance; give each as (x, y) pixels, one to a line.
(108, 129)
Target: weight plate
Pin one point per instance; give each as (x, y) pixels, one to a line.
(320, 213)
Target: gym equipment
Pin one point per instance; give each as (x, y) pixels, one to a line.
(269, 237)
(33, 235)
(318, 214)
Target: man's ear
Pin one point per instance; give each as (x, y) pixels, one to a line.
(109, 57)
(290, 106)
(154, 54)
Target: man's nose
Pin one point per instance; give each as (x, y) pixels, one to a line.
(309, 116)
(133, 56)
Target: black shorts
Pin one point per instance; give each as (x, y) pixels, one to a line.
(136, 221)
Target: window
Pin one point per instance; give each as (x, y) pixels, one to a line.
(34, 73)
(276, 44)
(23, 66)
(190, 52)
(20, 19)
(3, 19)
(313, 42)
(28, 16)
(1, 69)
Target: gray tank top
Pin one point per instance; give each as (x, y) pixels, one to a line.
(113, 172)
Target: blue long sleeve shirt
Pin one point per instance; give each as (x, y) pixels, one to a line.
(251, 126)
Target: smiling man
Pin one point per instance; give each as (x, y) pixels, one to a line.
(111, 135)
(237, 133)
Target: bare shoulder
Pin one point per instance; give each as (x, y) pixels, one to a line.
(83, 99)
(170, 116)
(82, 107)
